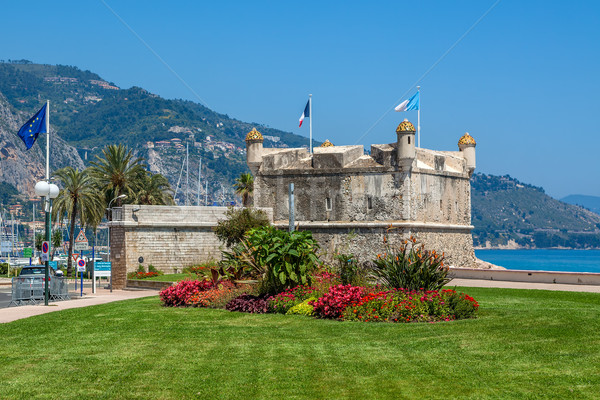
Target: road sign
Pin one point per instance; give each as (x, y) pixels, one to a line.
(27, 252)
(81, 246)
(81, 237)
(80, 265)
(101, 268)
(81, 242)
(45, 250)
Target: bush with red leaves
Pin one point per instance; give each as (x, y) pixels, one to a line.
(182, 293)
(333, 303)
(249, 304)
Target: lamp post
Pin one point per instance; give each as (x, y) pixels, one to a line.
(48, 191)
(122, 196)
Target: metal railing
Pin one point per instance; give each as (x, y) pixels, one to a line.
(30, 290)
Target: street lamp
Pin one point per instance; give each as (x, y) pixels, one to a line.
(122, 196)
(48, 191)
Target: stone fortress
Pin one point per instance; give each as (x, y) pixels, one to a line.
(350, 200)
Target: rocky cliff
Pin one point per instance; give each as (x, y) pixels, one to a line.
(23, 168)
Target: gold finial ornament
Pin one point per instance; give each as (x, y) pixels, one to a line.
(327, 143)
(466, 139)
(406, 127)
(254, 135)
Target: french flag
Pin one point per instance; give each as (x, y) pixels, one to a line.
(305, 114)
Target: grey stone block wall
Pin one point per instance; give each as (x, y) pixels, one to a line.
(366, 240)
(168, 237)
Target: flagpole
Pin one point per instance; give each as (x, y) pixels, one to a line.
(310, 121)
(47, 206)
(419, 119)
(48, 141)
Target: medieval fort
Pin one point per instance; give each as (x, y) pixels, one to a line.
(349, 200)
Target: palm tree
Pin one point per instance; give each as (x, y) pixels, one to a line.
(117, 173)
(79, 198)
(244, 186)
(153, 189)
(56, 241)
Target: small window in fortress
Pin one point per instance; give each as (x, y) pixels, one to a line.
(409, 140)
(441, 208)
(369, 203)
(328, 204)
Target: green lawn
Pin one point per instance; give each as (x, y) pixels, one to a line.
(172, 277)
(525, 344)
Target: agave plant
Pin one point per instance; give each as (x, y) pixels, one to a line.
(410, 267)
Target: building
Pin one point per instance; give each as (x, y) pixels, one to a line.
(359, 204)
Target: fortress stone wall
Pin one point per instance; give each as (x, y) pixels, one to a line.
(349, 200)
(168, 237)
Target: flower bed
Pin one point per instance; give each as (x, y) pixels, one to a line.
(412, 306)
(341, 302)
(284, 301)
(142, 275)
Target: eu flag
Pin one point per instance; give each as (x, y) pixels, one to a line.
(32, 128)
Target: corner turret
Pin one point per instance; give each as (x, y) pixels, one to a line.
(405, 145)
(467, 144)
(254, 150)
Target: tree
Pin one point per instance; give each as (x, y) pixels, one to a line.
(56, 241)
(244, 187)
(153, 189)
(117, 173)
(78, 198)
(237, 222)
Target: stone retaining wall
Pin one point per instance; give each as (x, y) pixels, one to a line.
(168, 237)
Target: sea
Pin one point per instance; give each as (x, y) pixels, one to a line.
(544, 259)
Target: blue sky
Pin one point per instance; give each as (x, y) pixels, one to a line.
(524, 81)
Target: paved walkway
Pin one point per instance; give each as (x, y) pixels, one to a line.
(524, 285)
(101, 296)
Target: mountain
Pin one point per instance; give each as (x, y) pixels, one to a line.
(89, 113)
(592, 203)
(508, 212)
(20, 168)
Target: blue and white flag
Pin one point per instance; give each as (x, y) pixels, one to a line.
(32, 128)
(410, 104)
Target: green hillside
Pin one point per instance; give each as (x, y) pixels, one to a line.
(90, 113)
(505, 209)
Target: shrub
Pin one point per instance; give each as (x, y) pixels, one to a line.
(411, 267)
(201, 269)
(282, 302)
(350, 273)
(461, 305)
(142, 275)
(288, 257)
(3, 268)
(411, 306)
(303, 308)
(333, 303)
(239, 221)
(215, 294)
(182, 293)
(249, 304)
